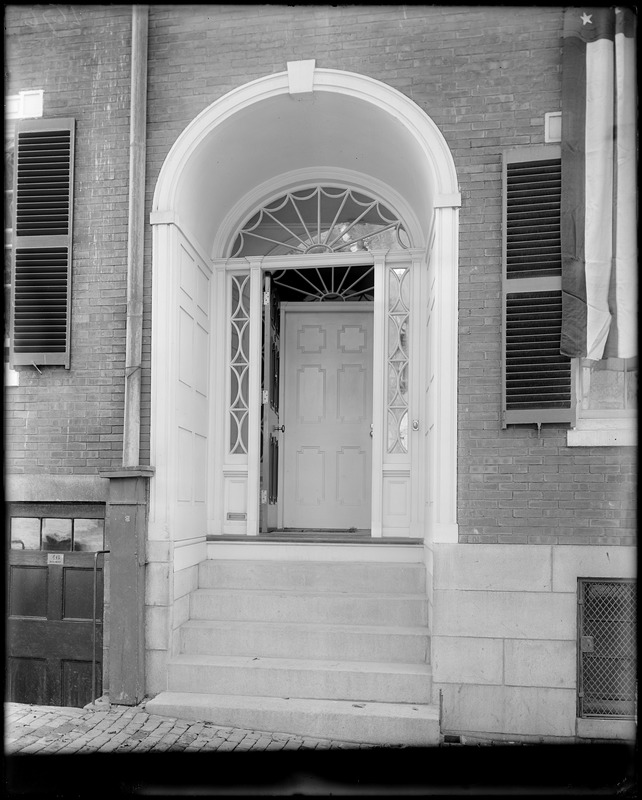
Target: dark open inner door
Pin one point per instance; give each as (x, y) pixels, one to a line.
(270, 428)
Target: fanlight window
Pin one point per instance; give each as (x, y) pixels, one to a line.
(338, 282)
(321, 219)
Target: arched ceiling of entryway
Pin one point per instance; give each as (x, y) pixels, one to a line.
(260, 131)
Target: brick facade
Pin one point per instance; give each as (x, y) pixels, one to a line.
(70, 422)
(486, 76)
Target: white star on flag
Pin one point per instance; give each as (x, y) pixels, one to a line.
(586, 19)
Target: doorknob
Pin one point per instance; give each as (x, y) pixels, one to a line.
(279, 428)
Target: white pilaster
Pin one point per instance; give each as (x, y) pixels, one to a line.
(218, 377)
(378, 397)
(163, 373)
(254, 399)
(443, 482)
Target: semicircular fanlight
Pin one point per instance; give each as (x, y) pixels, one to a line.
(321, 219)
(325, 284)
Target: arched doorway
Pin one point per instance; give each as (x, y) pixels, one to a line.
(264, 140)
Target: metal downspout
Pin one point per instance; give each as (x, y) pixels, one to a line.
(136, 234)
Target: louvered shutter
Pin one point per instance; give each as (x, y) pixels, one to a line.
(42, 238)
(537, 382)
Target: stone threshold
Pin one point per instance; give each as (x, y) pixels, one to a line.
(316, 537)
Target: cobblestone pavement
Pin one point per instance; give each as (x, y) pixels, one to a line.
(31, 729)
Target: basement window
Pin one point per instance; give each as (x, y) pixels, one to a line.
(76, 527)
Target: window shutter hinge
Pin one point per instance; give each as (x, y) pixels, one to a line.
(264, 396)
(266, 298)
(264, 497)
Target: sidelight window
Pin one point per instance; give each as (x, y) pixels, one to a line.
(239, 363)
(398, 359)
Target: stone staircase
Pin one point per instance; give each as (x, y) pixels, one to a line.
(319, 648)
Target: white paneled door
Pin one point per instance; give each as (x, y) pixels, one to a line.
(327, 413)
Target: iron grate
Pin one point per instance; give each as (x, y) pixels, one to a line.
(607, 657)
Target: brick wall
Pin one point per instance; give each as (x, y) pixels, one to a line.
(486, 76)
(70, 421)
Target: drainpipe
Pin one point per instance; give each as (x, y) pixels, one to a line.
(126, 509)
(135, 243)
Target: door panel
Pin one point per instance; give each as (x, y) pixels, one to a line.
(352, 464)
(28, 590)
(327, 415)
(27, 680)
(352, 393)
(311, 387)
(310, 476)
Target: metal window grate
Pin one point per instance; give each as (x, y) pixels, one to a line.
(607, 653)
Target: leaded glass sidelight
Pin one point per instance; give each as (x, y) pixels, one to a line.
(320, 219)
(239, 364)
(398, 320)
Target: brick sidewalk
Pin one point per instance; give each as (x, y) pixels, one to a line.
(125, 729)
(36, 735)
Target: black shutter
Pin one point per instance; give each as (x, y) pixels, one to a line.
(42, 239)
(537, 385)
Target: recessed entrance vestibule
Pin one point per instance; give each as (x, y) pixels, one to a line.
(336, 380)
(331, 440)
(226, 179)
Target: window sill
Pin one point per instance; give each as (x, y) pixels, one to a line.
(612, 432)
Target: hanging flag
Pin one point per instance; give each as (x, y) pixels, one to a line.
(599, 169)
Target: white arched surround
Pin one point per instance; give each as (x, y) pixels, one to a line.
(259, 138)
